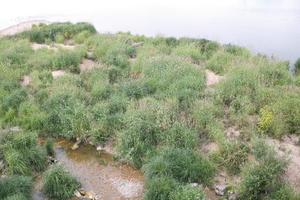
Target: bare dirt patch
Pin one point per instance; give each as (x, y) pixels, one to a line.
(211, 77)
(209, 147)
(55, 46)
(24, 26)
(25, 80)
(232, 132)
(87, 64)
(58, 73)
(289, 145)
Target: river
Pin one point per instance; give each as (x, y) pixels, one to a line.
(270, 27)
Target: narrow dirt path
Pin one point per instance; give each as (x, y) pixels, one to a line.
(212, 78)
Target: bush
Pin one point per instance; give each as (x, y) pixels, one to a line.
(13, 185)
(59, 184)
(82, 36)
(187, 192)
(59, 38)
(160, 188)
(182, 165)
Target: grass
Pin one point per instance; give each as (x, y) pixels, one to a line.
(15, 187)
(152, 100)
(22, 154)
(58, 184)
(182, 165)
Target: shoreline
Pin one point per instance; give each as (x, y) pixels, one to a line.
(20, 27)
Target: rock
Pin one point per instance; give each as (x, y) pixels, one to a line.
(76, 145)
(99, 148)
(52, 160)
(220, 189)
(194, 184)
(77, 193)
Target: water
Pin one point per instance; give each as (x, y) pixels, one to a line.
(98, 173)
(269, 27)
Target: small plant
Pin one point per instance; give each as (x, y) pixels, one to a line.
(49, 147)
(59, 184)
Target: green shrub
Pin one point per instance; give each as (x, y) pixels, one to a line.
(160, 188)
(59, 38)
(59, 184)
(13, 185)
(187, 192)
(101, 92)
(182, 165)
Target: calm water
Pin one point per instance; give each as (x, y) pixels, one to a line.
(270, 27)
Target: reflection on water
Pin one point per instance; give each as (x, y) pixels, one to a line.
(265, 26)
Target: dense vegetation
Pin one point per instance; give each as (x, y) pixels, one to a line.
(150, 96)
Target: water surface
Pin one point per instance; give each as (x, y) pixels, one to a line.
(270, 27)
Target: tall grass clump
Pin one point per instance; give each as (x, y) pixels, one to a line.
(187, 192)
(181, 164)
(139, 137)
(58, 184)
(15, 187)
(22, 154)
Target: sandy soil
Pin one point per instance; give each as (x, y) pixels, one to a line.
(58, 73)
(212, 78)
(289, 145)
(21, 27)
(55, 46)
(25, 80)
(86, 64)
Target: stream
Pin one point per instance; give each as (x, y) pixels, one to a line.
(97, 172)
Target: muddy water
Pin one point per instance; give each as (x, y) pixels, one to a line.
(98, 173)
